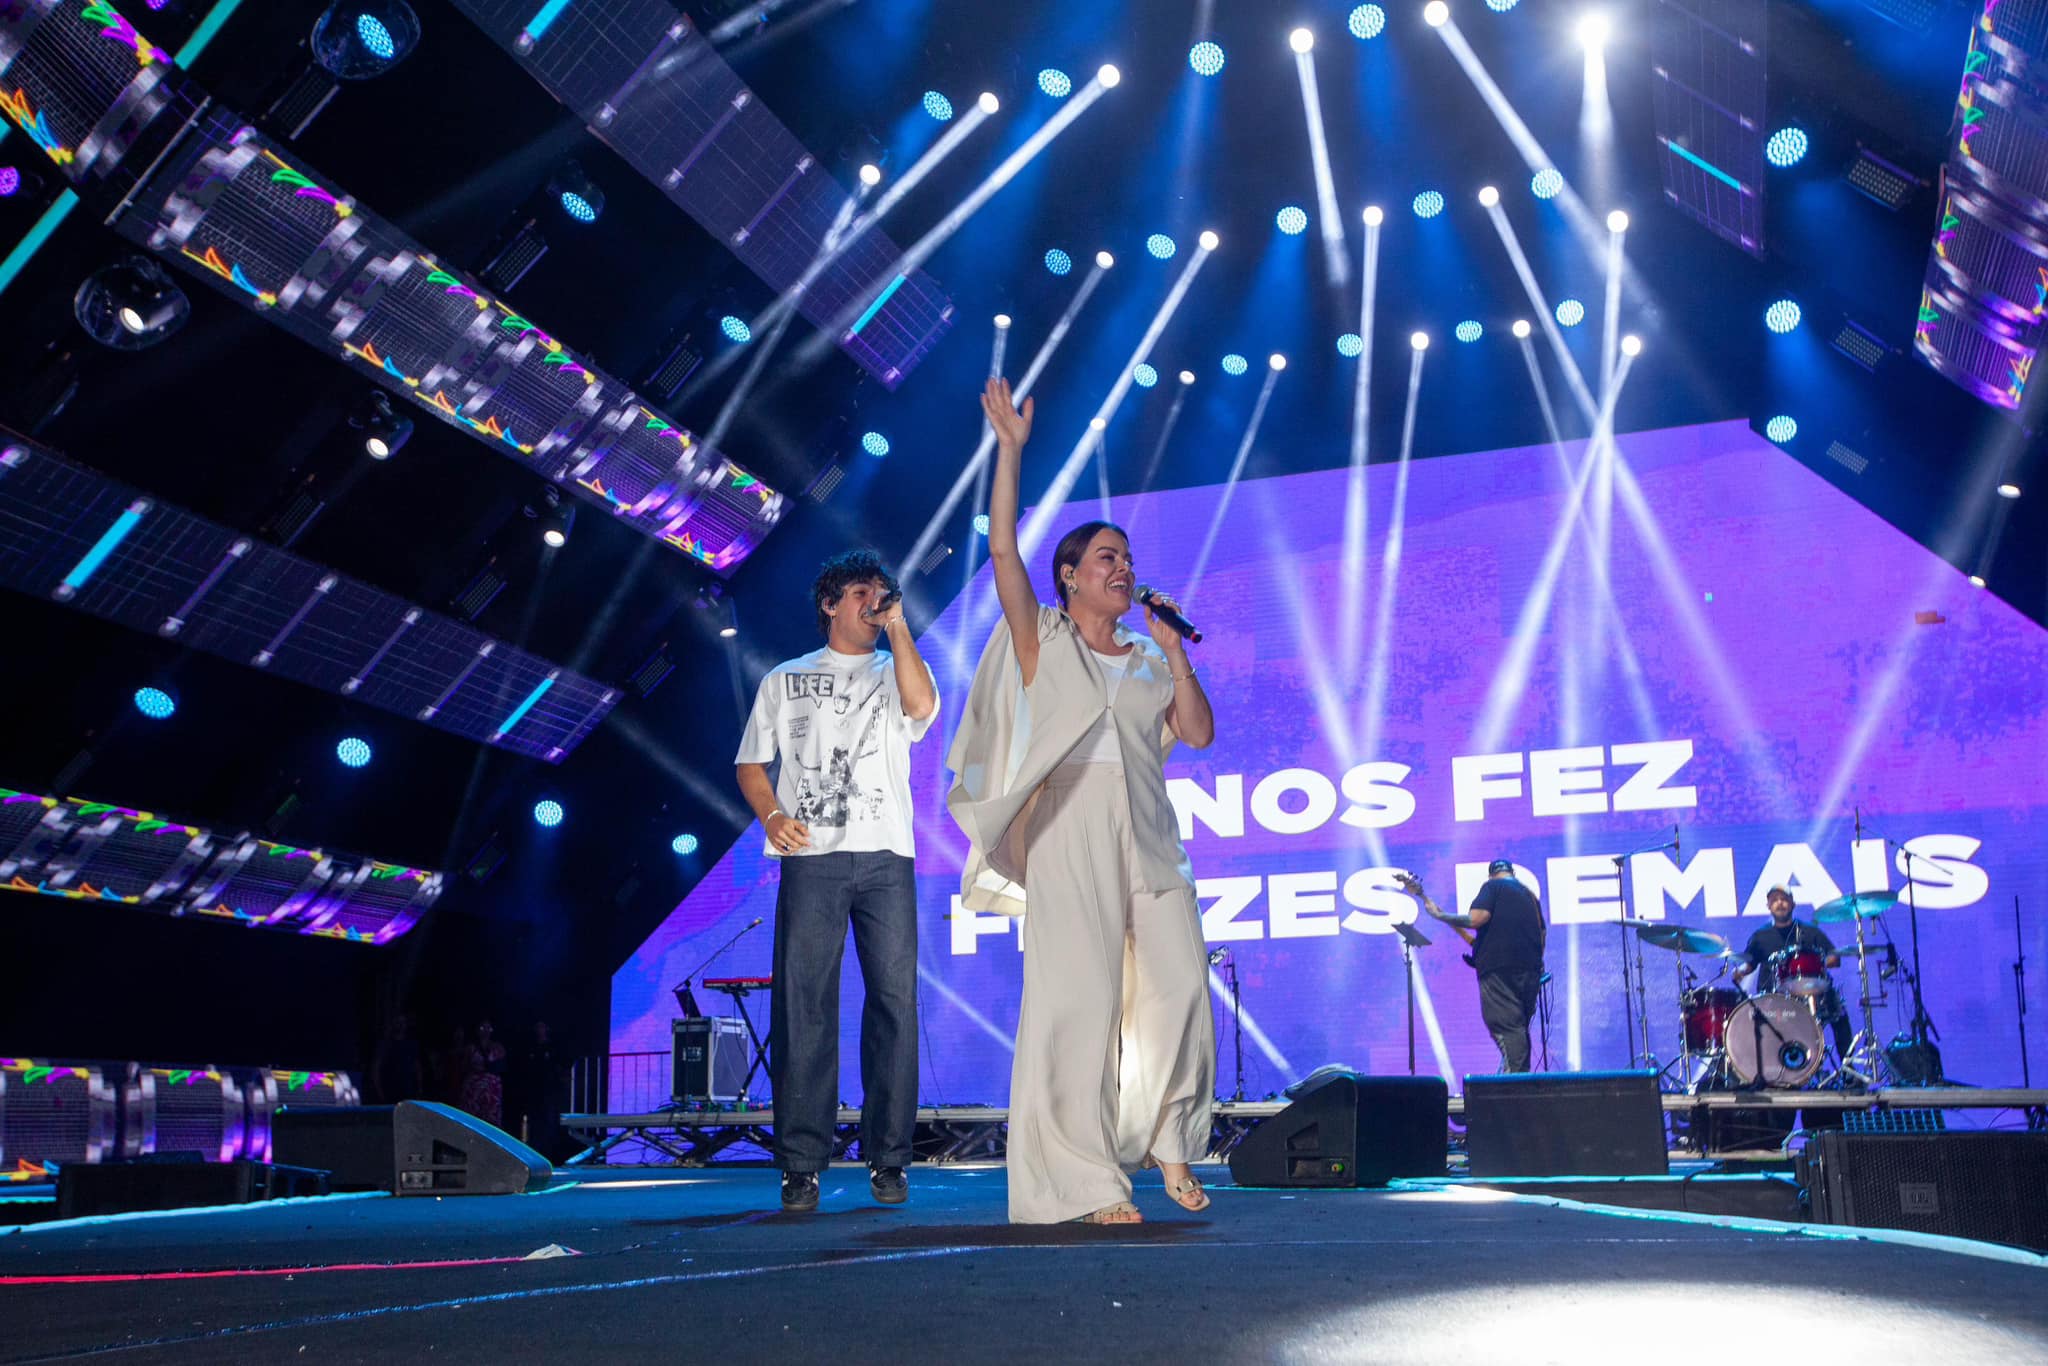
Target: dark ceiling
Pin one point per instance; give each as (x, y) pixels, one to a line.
(231, 416)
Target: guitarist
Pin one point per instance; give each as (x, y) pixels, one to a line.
(1507, 932)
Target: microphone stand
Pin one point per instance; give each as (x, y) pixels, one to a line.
(1236, 1023)
(684, 998)
(1631, 986)
(2019, 981)
(1410, 939)
(1922, 1025)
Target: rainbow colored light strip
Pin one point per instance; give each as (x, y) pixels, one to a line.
(31, 121)
(121, 31)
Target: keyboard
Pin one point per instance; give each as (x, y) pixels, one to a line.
(738, 983)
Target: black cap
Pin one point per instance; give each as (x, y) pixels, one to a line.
(1500, 865)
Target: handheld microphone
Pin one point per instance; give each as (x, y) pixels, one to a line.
(1676, 847)
(1166, 614)
(888, 600)
(1218, 955)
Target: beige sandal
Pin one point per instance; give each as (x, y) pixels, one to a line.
(1122, 1212)
(1181, 1192)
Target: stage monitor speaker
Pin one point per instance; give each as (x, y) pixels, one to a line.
(1566, 1124)
(710, 1059)
(1348, 1130)
(1992, 1187)
(439, 1150)
(351, 1142)
(176, 1181)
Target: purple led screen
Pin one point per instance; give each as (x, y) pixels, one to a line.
(1762, 657)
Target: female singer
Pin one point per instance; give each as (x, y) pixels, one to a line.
(1059, 770)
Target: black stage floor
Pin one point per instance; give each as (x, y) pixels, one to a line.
(701, 1266)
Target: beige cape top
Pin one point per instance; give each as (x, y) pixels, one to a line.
(1012, 737)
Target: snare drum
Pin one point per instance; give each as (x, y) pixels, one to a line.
(1705, 1011)
(1800, 970)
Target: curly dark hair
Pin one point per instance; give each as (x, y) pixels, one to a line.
(841, 572)
(1072, 546)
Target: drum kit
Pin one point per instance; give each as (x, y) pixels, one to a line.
(1776, 1039)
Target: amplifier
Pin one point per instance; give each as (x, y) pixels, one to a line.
(710, 1060)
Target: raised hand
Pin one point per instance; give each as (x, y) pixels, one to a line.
(1012, 427)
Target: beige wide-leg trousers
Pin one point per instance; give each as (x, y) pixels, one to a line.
(1116, 1050)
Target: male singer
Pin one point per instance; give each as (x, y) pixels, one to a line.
(842, 720)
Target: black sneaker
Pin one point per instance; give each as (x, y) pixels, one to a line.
(799, 1192)
(889, 1184)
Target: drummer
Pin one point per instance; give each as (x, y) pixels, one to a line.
(1782, 933)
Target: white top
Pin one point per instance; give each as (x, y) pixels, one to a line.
(837, 723)
(1100, 745)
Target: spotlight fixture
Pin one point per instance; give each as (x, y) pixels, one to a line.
(684, 844)
(1488, 196)
(875, 444)
(1161, 246)
(1570, 313)
(981, 523)
(1419, 340)
(1351, 346)
(1002, 321)
(1187, 377)
(548, 813)
(1206, 59)
(1144, 376)
(1055, 83)
(1546, 183)
(1468, 331)
(1098, 423)
(1428, 204)
(1786, 147)
(1276, 362)
(735, 329)
(1374, 215)
(1234, 364)
(2008, 490)
(384, 431)
(987, 102)
(155, 703)
(1782, 316)
(1291, 220)
(870, 175)
(730, 628)
(938, 106)
(1302, 39)
(1058, 262)
(1593, 29)
(1521, 328)
(130, 305)
(1631, 345)
(1367, 22)
(576, 192)
(1209, 240)
(1617, 221)
(1104, 260)
(556, 518)
(1976, 580)
(1108, 76)
(1781, 429)
(1436, 13)
(353, 752)
(355, 40)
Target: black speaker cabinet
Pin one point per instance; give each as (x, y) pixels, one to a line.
(176, 1181)
(1566, 1124)
(1989, 1186)
(709, 1059)
(1348, 1130)
(440, 1150)
(350, 1142)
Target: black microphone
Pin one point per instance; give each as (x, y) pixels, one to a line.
(1166, 614)
(1677, 848)
(889, 600)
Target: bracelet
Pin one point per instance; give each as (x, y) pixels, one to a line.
(1182, 678)
(778, 811)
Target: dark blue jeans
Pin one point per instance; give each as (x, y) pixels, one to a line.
(818, 896)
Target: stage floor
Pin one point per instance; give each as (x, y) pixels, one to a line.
(702, 1266)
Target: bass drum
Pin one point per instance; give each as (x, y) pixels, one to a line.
(1773, 1039)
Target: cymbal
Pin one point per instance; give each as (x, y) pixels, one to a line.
(1683, 939)
(1856, 906)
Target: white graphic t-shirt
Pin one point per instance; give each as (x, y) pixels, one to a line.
(837, 723)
